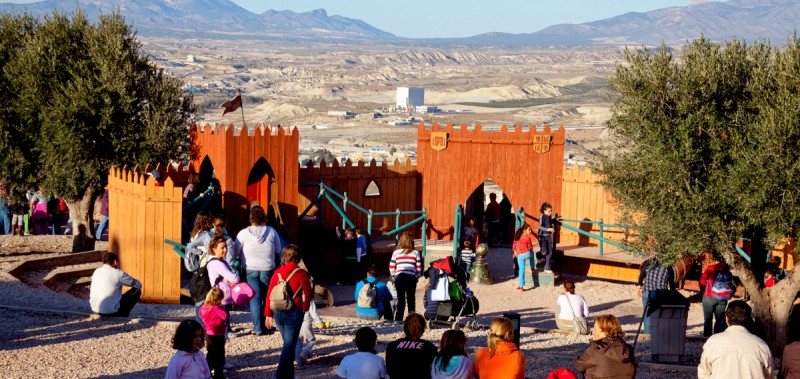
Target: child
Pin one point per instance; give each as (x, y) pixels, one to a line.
(546, 231)
(365, 364)
(769, 279)
(188, 361)
(347, 272)
(775, 261)
(467, 257)
(306, 340)
(361, 253)
(214, 318)
(523, 249)
(452, 361)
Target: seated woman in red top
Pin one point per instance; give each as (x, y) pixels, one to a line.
(502, 359)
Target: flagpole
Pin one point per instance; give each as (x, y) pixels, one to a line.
(242, 107)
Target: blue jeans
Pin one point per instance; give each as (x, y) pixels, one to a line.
(6, 223)
(645, 296)
(714, 309)
(259, 280)
(521, 264)
(101, 228)
(288, 324)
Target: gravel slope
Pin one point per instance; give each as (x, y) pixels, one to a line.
(45, 344)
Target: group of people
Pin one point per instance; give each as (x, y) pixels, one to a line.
(32, 212)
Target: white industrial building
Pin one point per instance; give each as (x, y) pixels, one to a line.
(408, 98)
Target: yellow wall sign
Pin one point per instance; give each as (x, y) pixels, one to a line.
(541, 144)
(439, 140)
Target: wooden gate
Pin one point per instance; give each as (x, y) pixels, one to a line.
(452, 162)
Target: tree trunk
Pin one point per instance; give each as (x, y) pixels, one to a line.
(771, 306)
(81, 212)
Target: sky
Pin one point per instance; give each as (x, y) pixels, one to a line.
(463, 18)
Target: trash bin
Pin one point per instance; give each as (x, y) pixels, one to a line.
(668, 333)
(515, 320)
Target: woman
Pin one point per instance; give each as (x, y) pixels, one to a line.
(188, 361)
(608, 356)
(405, 268)
(411, 356)
(713, 308)
(501, 359)
(290, 321)
(258, 245)
(452, 362)
(523, 250)
(217, 267)
(570, 306)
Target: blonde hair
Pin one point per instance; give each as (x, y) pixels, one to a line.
(609, 325)
(406, 243)
(500, 329)
(214, 297)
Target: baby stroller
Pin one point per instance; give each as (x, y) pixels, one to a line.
(448, 300)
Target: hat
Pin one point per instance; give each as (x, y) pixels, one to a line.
(155, 173)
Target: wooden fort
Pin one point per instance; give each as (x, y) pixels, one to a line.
(453, 163)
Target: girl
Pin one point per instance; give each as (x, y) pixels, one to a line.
(501, 359)
(523, 250)
(217, 229)
(202, 225)
(214, 319)
(405, 268)
(452, 361)
(546, 230)
(188, 362)
(217, 267)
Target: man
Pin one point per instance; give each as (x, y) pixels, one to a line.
(382, 295)
(653, 276)
(493, 218)
(735, 353)
(105, 294)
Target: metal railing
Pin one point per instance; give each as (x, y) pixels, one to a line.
(325, 192)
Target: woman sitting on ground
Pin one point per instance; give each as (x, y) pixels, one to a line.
(608, 356)
(570, 305)
(411, 356)
(501, 359)
(452, 362)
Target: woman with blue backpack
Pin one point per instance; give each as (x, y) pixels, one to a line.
(718, 288)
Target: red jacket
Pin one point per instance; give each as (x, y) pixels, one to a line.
(710, 275)
(523, 245)
(299, 280)
(214, 319)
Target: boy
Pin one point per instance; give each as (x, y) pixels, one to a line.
(306, 340)
(365, 364)
(467, 257)
(382, 298)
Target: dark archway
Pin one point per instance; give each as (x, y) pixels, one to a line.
(261, 184)
(476, 206)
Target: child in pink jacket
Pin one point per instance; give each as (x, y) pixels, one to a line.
(214, 317)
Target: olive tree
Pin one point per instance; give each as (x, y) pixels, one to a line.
(706, 154)
(78, 97)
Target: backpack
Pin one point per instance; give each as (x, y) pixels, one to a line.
(723, 286)
(367, 295)
(200, 283)
(281, 299)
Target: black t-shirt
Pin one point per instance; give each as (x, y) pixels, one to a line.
(408, 359)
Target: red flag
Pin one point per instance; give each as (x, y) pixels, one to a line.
(232, 105)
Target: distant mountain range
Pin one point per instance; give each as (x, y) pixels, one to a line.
(746, 19)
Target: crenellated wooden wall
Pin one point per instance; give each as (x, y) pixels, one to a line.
(235, 154)
(397, 182)
(527, 165)
(143, 216)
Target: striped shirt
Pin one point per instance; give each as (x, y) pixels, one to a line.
(410, 263)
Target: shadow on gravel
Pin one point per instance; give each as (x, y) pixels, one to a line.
(60, 329)
(151, 373)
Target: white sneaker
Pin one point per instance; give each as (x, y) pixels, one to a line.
(548, 271)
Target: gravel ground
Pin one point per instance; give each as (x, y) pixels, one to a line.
(46, 344)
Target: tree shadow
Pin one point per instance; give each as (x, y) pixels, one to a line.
(56, 329)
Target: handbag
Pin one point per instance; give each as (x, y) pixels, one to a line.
(242, 293)
(579, 323)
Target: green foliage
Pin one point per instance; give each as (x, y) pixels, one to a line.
(707, 145)
(78, 97)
